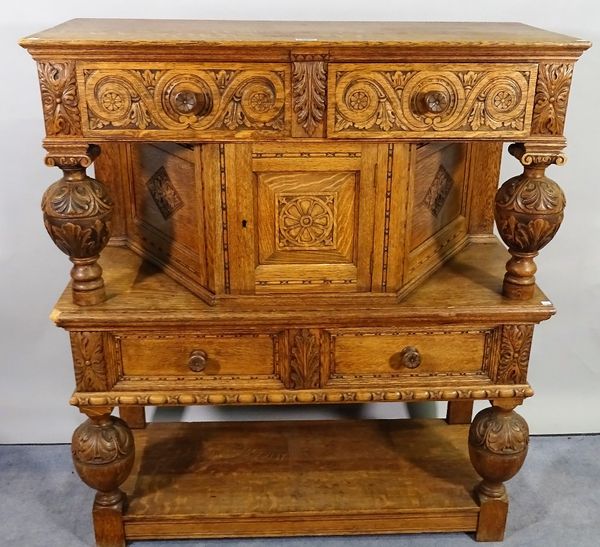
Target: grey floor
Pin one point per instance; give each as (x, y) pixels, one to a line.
(555, 502)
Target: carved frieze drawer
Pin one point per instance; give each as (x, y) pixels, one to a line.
(375, 355)
(178, 101)
(208, 359)
(430, 100)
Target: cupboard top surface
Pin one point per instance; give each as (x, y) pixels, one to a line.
(140, 33)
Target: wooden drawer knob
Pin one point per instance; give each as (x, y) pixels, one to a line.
(197, 360)
(410, 357)
(188, 102)
(435, 102)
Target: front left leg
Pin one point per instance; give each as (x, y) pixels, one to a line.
(498, 442)
(103, 453)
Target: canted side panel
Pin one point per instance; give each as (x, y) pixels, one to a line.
(166, 209)
(437, 218)
(172, 102)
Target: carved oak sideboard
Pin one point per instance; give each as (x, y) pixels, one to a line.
(300, 213)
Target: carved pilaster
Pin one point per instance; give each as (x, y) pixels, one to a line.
(89, 361)
(551, 97)
(529, 212)
(309, 88)
(58, 85)
(515, 345)
(77, 212)
(103, 453)
(304, 359)
(498, 442)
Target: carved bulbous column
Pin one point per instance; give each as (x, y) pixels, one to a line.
(498, 442)
(103, 452)
(77, 212)
(529, 212)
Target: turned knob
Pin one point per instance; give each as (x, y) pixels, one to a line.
(435, 102)
(187, 102)
(410, 357)
(197, 360)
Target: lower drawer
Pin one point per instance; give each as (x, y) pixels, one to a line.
(356, 356)
(205, 357)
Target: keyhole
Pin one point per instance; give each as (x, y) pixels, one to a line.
(244, 223)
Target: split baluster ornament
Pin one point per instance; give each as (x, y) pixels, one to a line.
(529, 211)
(77, 211)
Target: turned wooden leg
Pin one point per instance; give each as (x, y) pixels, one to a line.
(77, 212)
(103, 453)
(134, 416)
(498, 440)
(459, 412)
(529, 211)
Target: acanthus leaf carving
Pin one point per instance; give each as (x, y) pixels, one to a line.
(309, 86)
(304, 360)
(58, 85)
(89, 361)
(499, 432)
(515, 345)
(551, 97)
(164, 193)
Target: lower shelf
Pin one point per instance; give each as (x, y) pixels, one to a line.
(193, 480)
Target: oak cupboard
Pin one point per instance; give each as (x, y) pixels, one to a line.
(293, 213)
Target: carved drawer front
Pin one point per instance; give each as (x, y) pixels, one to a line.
(207, 358)
(370, 355)
(430, 100)
(175, 101)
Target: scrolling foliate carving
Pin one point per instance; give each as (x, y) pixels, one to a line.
(304, 360)
(490, 100)
(499, 432)
(551, 97)
(89, 362)
(309, 87)
(184, 98)
(515, 345)
(58, 85)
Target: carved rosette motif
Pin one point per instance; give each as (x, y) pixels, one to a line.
(551, 97)
(179, 99)
(89, 362)
(304, 360)
(498, 442)
(309, 89)
(103, 453)
(306, 221)
(164, 194)
(58, 85)
(515, 345)
(446, 100)
(438, 191)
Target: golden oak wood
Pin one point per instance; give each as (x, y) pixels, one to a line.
(297, 213)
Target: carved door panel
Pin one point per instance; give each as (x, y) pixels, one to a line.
(301, 216)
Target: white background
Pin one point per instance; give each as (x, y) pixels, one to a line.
(35, 366)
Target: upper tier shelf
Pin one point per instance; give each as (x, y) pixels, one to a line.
(467, 289)
(271, 40)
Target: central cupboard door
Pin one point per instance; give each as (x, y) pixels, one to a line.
(302, 216)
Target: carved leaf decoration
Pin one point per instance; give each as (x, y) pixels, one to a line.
(499, 432)
(83, 240)
(304, 362)
(58, 86)
(515, 346)
(551, 97)
(309, 83)
(89, 362)
(84, 198)
(102, 444)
